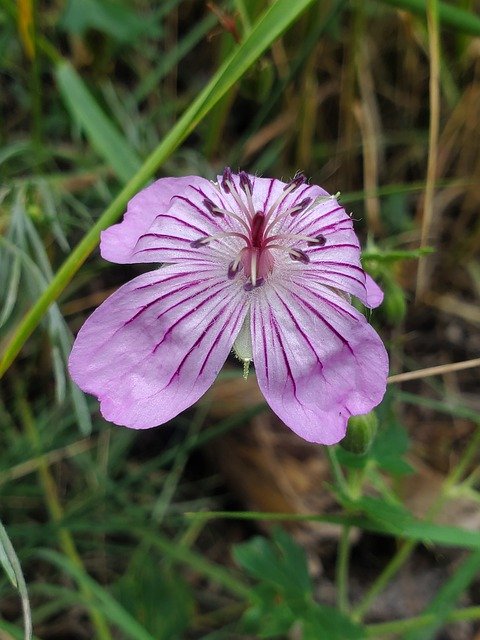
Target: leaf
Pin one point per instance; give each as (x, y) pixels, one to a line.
(101, 133)
(281, 563)
(11, 565)
(327, 622)
(113, 18)
(284, 596)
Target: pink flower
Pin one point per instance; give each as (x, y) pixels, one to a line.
(260, 265)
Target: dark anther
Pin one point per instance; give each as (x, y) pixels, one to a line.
(200, 242)
(226, 178)
(299, 256)
(245, 182)
(318, 241)
(301, 206)
(296, 182)
(233, 269)
(211, 208)
(249, 285)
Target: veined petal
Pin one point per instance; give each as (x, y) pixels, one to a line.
(157, 344)
(337, 264)
(170, 236)
(317, 359)
(119, 241)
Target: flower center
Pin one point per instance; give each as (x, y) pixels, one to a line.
(259, 231)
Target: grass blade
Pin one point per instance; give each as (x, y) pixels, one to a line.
(102, 134)
(450, 16)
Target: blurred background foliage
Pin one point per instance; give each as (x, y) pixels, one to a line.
(98, 97)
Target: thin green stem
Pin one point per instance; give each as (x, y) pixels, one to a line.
(384, 578)
(341, 572)
(383, 629)
(407, 547)
(55, 510)
(337, 470)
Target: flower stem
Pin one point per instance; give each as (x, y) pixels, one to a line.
(55, 510)
(337, 470)
(341, 572)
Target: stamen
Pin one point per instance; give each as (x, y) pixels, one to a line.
(296, 181)
(301, 207)
(226, 179)
(213, 209)
(294, 211)
(288, 188)
(311, 240)
(245, 182)
(299, 256)
(219, 212)
(319, 240)
(235, 266)
(247, 188)
(202, 242)
(249, 286)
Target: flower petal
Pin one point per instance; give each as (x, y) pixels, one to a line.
(170, 236)
(118, 241)
(317, 359)
(157, 344)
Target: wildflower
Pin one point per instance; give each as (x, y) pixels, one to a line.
(258, 264)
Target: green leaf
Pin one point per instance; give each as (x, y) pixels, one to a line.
(101, 133)
(122, 23)
(327, 622)
(281, 563)
(11, 565)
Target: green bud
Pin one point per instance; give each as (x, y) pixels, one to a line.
(361, 433)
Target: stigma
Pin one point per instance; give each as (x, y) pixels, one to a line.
(255, 238)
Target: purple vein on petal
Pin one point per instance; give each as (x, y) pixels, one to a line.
(285, 357)
(300, 330)
(325, 322)
(194, 309)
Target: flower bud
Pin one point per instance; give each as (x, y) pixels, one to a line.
(361, 433)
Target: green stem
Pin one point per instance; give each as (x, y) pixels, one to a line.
(337, 470)
(55, 510)
(384, 578)
(341, 573)
(396, 627)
